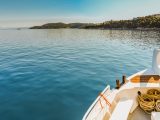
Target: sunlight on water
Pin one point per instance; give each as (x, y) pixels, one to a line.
(56, 74)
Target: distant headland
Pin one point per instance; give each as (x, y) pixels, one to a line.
(147, 22)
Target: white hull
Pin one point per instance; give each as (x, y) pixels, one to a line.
(123, 101)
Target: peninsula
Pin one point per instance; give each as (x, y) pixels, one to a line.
(146, 22)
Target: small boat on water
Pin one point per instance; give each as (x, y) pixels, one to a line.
(136, 98)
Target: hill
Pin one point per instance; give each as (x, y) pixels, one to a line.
(146, 22)
(62, 25)
(152, 21)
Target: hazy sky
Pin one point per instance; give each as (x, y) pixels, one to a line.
(20, 13)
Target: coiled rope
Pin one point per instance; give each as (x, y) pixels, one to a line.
(150, 101)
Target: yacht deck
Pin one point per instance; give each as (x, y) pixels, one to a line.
(139, 114)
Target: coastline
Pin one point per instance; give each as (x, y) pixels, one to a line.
(140, 29)
(151, 22)
(143, 29)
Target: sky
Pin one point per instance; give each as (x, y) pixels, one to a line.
(26, 13)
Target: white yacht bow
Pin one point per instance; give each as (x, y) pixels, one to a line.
(128, 101)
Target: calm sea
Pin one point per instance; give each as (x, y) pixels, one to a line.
(57, 74)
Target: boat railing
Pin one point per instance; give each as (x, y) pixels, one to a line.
(99, 106)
